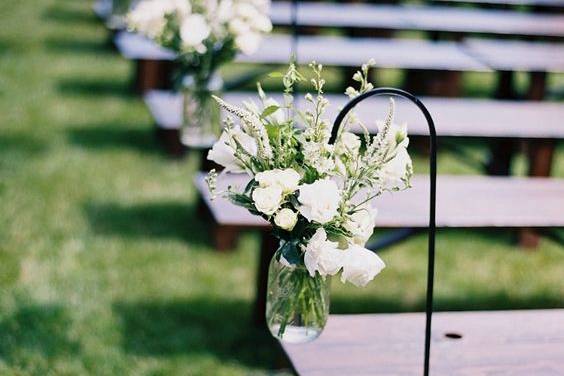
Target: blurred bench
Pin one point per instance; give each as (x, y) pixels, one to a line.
(538, 123)
(436, 19)
(443, 58)
(528, 342)
(462, 202)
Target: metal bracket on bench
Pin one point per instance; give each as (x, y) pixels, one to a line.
(432, 196)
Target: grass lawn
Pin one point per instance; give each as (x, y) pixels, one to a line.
(104, 268)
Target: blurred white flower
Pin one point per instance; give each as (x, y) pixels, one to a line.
(194, 30)
(322, 255)
(319, 200)
(286, 219)
(248, 43)
(360, 265)
(149, 16)
(267, 200)
(223, 151)
(349, 143)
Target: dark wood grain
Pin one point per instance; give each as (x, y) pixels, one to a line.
(519, 343)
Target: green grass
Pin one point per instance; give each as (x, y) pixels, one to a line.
(104, 268)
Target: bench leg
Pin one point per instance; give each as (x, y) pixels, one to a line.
(151, 75)
(170, 141)
(224, 237)
(540, 154)
(268, 247)
(501, 154)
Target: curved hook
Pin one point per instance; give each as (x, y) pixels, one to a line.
(432, 198)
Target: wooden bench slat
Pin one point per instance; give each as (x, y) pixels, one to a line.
(548, 3)
(517, 55)
(453, 117)
(436, 18)
(277, 49)
(528, 342)
(462, 201)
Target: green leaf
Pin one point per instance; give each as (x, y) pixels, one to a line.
(275, 75)
(291, 252)
(269, 110)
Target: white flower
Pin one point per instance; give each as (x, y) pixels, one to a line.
(319, 200)
(397, 170)
(248, 43)
(322, 255)
(238, 26)
(360, 265)
(148, 16)
(286, 219)
(349, 143)
(361, 225)
(267, 200)
(288, 179)
(194, 30)
(223, 151)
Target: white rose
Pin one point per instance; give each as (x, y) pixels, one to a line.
(322, 255)
(287, 179)
(360, 265)
(349, 143)
(267, 200)
(286, 219)
(319, 201)
(223, 151)
(395, 171)
(248, 43)
(361, 225)
(194, 30)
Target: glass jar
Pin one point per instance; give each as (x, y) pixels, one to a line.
(297, 304)
(200, 112)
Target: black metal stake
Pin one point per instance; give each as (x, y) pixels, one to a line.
(432, 197)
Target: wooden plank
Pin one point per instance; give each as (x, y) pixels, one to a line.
(443, 19)
(508, 119)
(277, 49)
(528, 342)
(544, 3)
(517, 55)
(462, 201)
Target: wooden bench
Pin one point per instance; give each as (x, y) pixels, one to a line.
(517, 120)
(462, 202)
(527, 342)
(536, 3)
(436, 19)
(445, 59)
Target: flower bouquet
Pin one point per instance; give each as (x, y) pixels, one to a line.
(316, 195)
(204, 34)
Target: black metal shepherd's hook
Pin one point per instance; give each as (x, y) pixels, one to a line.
(432, 198)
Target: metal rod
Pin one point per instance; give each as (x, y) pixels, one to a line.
(432, 196)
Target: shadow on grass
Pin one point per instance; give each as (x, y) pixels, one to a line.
(12, 145)
(71, 46)
(196, 326)
(475, 301)
(69, 15)
(95, 87)
(41, 329)
(172, 220)
(114, 136)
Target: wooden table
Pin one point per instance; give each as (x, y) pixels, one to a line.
(493, 119)
(516, 343)
(436, 18)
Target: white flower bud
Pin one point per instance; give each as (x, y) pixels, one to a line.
(286, 219)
